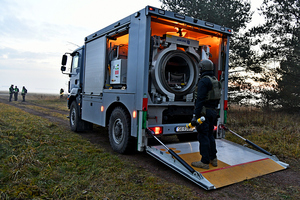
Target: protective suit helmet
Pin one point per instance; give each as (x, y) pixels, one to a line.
(206, 65)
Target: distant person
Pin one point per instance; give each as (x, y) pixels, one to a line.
(11, 91)
(23, 93)
(61, 92)
(16, 93)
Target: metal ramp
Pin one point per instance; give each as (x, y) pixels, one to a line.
(235, 163)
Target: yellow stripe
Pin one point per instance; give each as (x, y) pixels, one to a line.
(225, 174)
(233, 174)
(192, 157)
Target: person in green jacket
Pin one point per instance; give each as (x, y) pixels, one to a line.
(23, 93)
(16, 93)
(11, 91)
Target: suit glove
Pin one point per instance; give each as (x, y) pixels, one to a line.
(194, 121)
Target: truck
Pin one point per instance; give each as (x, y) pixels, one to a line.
(140, 74)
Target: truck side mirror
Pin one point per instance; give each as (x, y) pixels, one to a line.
(64, 60)
(63, 68)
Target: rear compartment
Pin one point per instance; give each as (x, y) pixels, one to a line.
(176, 50)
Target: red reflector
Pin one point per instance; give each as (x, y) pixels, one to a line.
(145, 104)
(157, 130)
(219, 75)
(225, 105)
(151, 9)
(229, 30)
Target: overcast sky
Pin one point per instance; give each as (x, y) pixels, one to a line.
(34, 34)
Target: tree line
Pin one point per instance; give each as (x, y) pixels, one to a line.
(264, 59)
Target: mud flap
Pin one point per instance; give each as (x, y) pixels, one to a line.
(235, 163)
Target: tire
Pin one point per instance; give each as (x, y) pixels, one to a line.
(119, 131)
(76, 123)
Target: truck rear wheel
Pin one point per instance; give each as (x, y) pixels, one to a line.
(119, 131)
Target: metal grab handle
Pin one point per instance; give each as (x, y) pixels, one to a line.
(150, 132)
(222, 126)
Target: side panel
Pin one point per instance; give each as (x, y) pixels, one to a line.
(95, 66)
(94, 108)
(139, 39)
(91, 110)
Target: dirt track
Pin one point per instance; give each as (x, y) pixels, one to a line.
(287, 180)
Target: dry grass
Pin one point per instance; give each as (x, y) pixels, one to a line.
(39, 160)
(277, 132)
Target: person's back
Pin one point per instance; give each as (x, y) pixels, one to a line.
(208, 96)
(24, 92)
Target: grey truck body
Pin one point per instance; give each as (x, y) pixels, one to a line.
(139, 74)
(157, 52)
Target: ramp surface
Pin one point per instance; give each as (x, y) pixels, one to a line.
(235, 163)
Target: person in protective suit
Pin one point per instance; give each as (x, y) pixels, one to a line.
(16, 93)
(206, 103)
(11, 92)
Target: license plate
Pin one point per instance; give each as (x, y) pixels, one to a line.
(183, 129)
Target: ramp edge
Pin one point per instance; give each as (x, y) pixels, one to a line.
(203, 182)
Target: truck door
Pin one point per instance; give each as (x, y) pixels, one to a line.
(75, 72)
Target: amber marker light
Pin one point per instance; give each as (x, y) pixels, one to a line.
(134, 114)
(102, 108)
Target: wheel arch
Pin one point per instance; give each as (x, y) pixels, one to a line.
(71, 99)
(112, 107)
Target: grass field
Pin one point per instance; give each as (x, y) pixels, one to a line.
(41, 160)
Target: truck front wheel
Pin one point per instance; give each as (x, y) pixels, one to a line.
(119, 131)
(74, 117)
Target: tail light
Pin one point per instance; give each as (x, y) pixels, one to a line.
(215, 128)
(157, 130)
